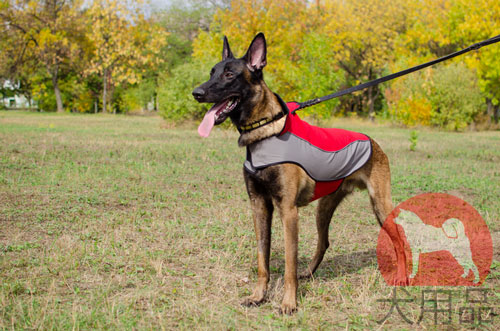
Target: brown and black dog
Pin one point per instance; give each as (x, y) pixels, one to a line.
(238, 91)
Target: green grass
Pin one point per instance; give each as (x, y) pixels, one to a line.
(119, 222)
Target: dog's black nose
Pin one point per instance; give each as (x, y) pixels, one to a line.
(198, 93)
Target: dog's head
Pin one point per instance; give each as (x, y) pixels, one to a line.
(232, 85)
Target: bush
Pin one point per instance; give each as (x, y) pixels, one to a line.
(76, 96)
(314, 75)
(456, 98)
(175, 101)
(447, 97)
(43, 92)
(408, 102)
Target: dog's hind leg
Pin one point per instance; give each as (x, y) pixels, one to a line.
(415, 256)
(324, 213)
(378, 183)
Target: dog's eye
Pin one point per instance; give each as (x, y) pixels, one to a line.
(228, 75)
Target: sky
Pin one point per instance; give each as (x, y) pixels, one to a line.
(161, 3)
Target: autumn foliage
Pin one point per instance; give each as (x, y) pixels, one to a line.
(319, 47)
(77, 51)
(110, 55)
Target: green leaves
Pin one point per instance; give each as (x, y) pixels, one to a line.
(176, 102)
(446, 96)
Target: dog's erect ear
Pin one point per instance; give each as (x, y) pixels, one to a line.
(256, 53)
(226, 51)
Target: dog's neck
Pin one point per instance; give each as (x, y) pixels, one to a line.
(264, 105)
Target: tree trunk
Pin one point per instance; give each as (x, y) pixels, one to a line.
(492, 111)
(111, 93)
(155, 93)
(489, 110)
(30, 101)
(57, 91)
(371, 104)
(104, 90)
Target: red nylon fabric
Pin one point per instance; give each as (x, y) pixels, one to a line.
(330, 140)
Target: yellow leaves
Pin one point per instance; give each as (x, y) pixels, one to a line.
(444, 26)
(50, 34)
(123, 41)
(412, 112)
(279, 20)
(366, 29)
(284, 23)
(45, 37)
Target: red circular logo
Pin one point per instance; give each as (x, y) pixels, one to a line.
(446, 242)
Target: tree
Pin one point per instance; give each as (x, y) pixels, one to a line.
(50, 30)
(179, 72)
(17, 62)
(480, 20)
(285, 24)
(124, 43)
(441, 27)
(320, 40)
(362, 35)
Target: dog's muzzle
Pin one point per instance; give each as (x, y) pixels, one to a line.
(199, 94)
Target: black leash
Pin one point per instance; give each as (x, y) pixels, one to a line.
(396, 75)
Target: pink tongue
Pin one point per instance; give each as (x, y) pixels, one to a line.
(209, 120)
(207, 124)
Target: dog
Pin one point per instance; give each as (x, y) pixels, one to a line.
(424, 238)
(237, 89)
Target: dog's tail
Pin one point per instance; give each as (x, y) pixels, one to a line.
(453, 228)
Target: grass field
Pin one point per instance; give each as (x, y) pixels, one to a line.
(116, 222)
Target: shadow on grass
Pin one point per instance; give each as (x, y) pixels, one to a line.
(331, 267)
(343, 264)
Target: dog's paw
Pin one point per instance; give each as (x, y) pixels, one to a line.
(401, 281)
(305, 275)
(288, 305)
(400, 278)
(252, 301)
(288, 309)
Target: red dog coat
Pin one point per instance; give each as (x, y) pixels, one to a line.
(326, 155)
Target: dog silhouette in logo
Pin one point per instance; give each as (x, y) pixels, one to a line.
(424, 238)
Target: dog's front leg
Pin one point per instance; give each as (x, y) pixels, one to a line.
(289, 217)
(262, 210)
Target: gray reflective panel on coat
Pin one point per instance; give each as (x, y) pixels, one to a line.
(321, 165)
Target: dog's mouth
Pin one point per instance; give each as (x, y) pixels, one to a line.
(217, 114)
